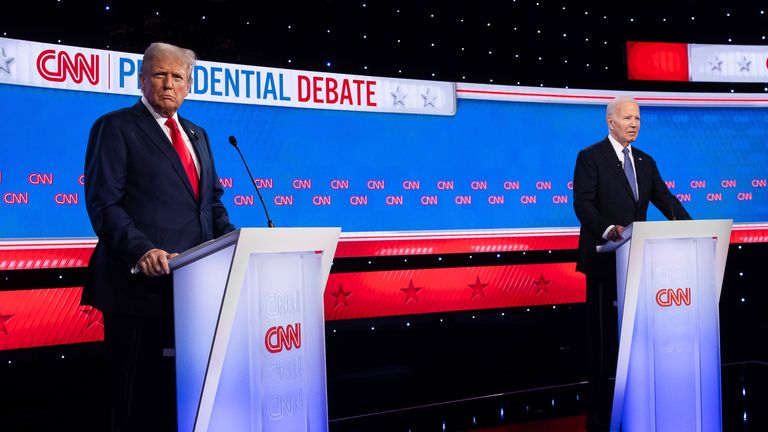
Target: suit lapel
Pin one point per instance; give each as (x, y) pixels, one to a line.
(615, 166)
(641, 171)
(152, 129)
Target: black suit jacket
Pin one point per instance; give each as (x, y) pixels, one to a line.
(603, 197)
(138, 197)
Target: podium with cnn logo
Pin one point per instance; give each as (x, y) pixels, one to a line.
(250, 338)
(668, 371)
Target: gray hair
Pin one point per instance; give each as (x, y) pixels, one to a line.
(160, 49)
(611, 108)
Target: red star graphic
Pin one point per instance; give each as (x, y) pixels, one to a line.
(410, 292)
(3, 320)
(477, 288)
(94, 316)
(541, 285)
(341, 297)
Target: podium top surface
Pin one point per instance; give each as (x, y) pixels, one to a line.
(669, 229)
(229, 239)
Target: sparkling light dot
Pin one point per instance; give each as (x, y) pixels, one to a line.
(107, 7)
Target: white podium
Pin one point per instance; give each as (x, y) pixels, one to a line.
(250, 338)
(668, 371)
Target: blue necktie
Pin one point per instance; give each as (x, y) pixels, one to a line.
(630, 172)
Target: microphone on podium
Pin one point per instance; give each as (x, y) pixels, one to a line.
(233, 141)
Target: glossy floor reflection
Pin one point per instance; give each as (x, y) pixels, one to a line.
(558, 409)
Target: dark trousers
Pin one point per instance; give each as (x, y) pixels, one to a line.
(140, 379)
(602, 346)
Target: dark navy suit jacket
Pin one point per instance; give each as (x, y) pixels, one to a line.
(138, 197)
(602, 197)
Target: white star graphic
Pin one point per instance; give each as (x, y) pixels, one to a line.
(429, 99)
(5, 62)
(744, 64)
(716, 65)
(399, 97)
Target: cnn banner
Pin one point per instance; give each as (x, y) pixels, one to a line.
(697, 62)
(74, 68)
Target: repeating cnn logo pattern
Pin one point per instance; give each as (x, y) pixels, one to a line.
(279, 338)
(667, 297)
(57, 67)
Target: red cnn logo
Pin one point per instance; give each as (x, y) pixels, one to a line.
(56, 67)
(279, 338)
(667, 297)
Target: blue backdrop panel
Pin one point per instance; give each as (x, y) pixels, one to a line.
(509, 163)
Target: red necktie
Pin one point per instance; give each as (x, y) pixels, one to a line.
(183, 151)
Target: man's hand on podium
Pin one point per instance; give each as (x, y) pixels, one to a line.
(154, 262)
(615, 233)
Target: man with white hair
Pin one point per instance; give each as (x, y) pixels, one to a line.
(613, 184)
(151, 191)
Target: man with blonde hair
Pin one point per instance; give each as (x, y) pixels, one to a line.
(151, 191)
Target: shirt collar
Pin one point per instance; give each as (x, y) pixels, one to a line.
(155, 114)
(618, 148)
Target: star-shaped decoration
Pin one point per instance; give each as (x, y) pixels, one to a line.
(716, 65)
(5, 61)
(744, 64)
(341, 297)
(429, 98)
(4, 320)
(94, 316)
(410, 292)
(541, 284)
(398, 97)
(477, 288)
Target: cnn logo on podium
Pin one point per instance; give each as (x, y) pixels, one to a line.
(667, 297)
(279, 338)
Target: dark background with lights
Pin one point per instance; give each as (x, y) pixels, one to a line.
(550, 43)
(415, 360)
